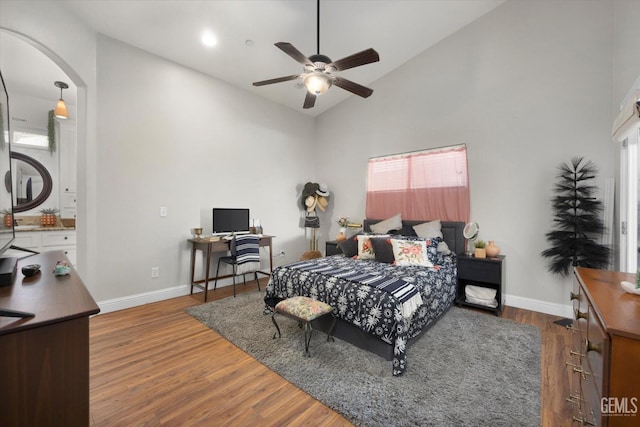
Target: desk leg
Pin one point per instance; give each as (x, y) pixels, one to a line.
(206, 277)
(270, 257)
(193, 265)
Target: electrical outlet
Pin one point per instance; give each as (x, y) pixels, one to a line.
(163, 211)
(155, 272)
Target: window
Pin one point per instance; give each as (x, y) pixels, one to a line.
(431, 184)
(30, 139)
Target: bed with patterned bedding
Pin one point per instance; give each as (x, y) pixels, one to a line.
(388, 304)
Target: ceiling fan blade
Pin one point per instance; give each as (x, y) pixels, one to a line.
(361, 58)
(294, 53)
(309, 100)
(277, 80)
(352, 87)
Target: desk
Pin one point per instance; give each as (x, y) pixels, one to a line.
(44, 360)
(210, 246)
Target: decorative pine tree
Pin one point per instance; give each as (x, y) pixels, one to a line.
(577, 220)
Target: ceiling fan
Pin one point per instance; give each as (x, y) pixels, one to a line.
(319, 70)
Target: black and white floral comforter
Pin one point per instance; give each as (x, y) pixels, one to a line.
(369, 308)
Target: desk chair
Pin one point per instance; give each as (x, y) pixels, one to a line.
(244, 258)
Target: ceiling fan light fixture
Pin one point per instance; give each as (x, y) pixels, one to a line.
(317, 83)
(61, 109)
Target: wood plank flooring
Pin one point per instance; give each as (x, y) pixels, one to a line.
(154, 365)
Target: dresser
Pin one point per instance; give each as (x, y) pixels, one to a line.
(44, 359)
(605, 354)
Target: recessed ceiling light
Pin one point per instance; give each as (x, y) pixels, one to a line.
(248, 42)
(209, 39)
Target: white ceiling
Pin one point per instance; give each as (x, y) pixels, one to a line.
(397, 29)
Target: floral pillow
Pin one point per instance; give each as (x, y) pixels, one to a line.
(365, 247)
(410, 252)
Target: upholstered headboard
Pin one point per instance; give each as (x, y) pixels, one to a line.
(451, 232)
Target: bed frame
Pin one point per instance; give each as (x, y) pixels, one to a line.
(452, 234)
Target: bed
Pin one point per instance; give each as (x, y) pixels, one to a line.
(381, 319)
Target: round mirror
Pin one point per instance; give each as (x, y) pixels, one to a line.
(471, 230)
(33, 182)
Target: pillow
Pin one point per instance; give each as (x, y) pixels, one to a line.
(349, 247)
(383, 250)
(410, 252)
(443, 248)
(365, 249)
(428, 229)
(393, 223)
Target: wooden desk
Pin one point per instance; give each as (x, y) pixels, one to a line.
(44, 360)
(210, 246)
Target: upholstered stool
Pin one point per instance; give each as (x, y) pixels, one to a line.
(304, 310)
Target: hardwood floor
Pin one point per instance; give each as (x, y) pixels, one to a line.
(155, 365)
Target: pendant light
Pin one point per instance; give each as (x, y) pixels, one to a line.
(61, 109)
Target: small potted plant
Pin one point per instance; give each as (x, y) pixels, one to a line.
(48, 217)
(480, 251)
(8, 217)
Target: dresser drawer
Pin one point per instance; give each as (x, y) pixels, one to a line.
(596, 351)
(590, 410)
(53, 238)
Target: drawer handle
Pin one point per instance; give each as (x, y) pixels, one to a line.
(574, 296)
(581, 371)
(574, 399)
(583, 421)
(593, 347)
(65, 237)
(578, 369)
(582, 315)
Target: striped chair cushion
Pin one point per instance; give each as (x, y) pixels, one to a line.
(247, 248)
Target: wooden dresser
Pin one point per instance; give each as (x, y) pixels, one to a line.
(605, 358)
(44, 360)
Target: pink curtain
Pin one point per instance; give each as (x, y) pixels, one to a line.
(431, 184)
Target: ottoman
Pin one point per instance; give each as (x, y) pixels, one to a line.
(304, 310)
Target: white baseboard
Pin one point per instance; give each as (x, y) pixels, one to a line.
(539, 306)
(129, 301)
(116, 304)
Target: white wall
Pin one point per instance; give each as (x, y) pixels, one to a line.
(71, 45)
(526, 87)
(626, 69)
(169, 136)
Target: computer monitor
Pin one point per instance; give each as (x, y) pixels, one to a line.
(230, 221)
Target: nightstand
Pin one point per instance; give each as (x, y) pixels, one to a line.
(331, 248)
(484, 272)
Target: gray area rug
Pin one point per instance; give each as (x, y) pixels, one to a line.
(469, 369)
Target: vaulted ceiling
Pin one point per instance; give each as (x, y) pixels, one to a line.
(247, 30)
